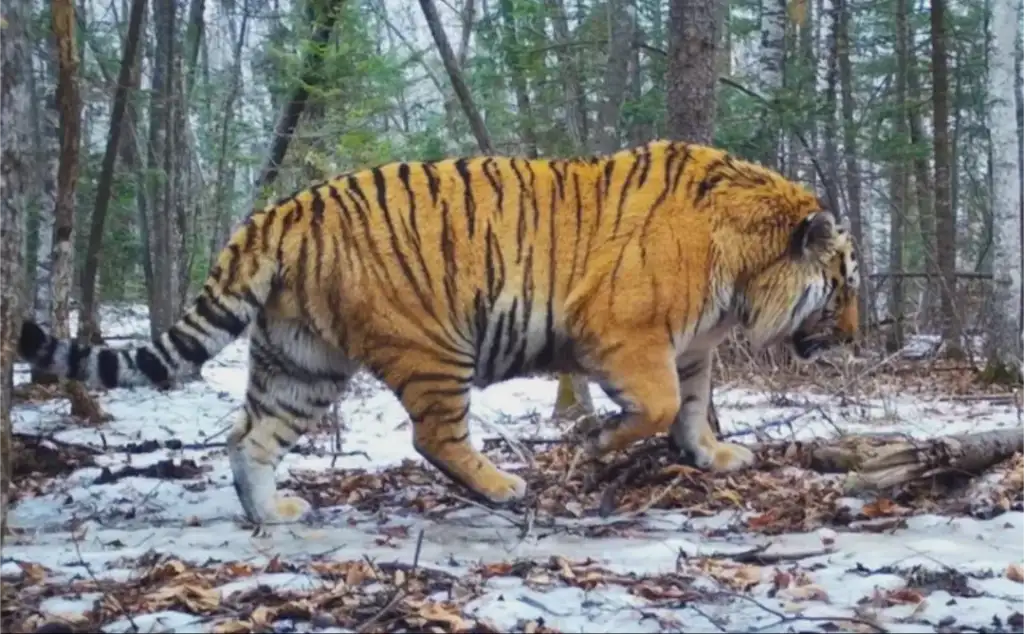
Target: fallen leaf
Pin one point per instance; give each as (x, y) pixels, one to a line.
(1015, 572)
(882, 507)
(781, 580)
(34, 573)
(443, 614)
(232, 627)
(810, 592)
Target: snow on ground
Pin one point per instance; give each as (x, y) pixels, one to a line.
(933, 573)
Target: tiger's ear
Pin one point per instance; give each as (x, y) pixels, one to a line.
(813, 235)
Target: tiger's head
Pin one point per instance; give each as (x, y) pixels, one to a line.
(808, 296)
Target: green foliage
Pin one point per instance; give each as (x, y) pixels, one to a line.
(375, 100)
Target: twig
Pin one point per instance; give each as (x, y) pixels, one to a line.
(657, 497)
(513, 522)
(784, 618)
(99, 586)
(781, 422)
(517, 446)
(400, 591)
(761, 556)
(39, 439)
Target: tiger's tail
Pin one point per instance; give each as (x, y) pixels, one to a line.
(233, 295)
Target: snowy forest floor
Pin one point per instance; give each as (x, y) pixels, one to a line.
(134, 525)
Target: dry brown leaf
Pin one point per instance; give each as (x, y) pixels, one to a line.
(34, 572)
(195, 598)
(904, 596)
(748, 576)
(730, 495)
(810, 592)
(444, 614)
(882, 507)
(1015, 572)
(500, 569)
(781, 580)
(355, 575)
(232, 627)
(262, 615)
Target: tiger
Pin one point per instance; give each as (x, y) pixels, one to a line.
(438, 277)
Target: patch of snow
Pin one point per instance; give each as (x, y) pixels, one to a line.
(195, 520)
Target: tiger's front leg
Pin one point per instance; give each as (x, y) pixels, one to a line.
(642, 381)
(691, 431)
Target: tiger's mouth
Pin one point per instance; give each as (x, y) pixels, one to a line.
(808, 344)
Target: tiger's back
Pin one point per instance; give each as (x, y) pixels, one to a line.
(442, 275)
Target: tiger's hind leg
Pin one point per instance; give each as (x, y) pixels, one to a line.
(293, 379)
(691, 432)
(437, 401)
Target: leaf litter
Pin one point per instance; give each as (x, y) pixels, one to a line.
(601, 502)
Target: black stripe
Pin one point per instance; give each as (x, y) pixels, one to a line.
(150, 365)
(521, 218)
(623, 193)
(188, 347)
(75, 356)
(433, 184)
(495, 182)
(106, 366)
(690, 370)
(460, 167)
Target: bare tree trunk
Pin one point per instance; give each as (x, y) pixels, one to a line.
(296, 104)
(944, 213)
(850, 145)
(621, 21)
(801, 12)
(693, 33)
(1004, 346)
(922, 180)
(15, 166)
(476, 122)
(87, 329)
(43, 190)
(514, 62)
(226, 176)
(831, 104)
(772, 62)
(641, 129)
(69, 105)
(1018, 81)
(898, 181)
(691, 79)
(193, 36)
(159, 112)
(569, 62)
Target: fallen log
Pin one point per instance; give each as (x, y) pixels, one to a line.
(876, 462)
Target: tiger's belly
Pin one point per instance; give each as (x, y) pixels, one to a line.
(517, 337)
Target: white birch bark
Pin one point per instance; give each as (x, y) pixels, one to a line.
(772, 60)
(1004, 348)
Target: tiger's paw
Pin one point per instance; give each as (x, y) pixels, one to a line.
(502, 488)
(289, 508)
(605, 437)
(727, 456)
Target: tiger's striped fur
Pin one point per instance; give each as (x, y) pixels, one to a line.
(441, 276)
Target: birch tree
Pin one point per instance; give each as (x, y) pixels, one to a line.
(772, 65)
(1004, 347)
